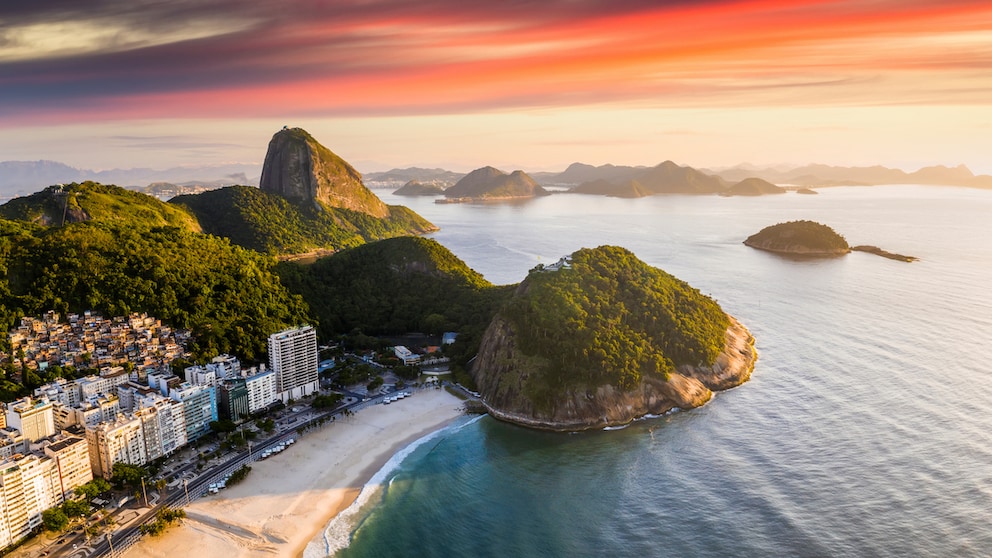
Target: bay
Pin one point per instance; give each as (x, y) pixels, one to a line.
(866, 429)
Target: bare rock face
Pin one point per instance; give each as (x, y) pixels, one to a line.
(501, 376)
(302, 170)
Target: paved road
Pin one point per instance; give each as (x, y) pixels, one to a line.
(123, 538)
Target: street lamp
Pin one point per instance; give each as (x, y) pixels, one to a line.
(111, 544)
(186, 489)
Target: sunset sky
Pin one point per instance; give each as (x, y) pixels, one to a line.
(515, 84)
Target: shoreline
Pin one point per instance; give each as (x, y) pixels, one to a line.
(289, 500)
(688, 387)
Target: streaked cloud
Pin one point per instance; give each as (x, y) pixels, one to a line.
(85, 63)
(113, 59)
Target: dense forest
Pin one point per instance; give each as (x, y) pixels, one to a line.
(396, 286)
(227, 295)
(271, 224)
(610, 318)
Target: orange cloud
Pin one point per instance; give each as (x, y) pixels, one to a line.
(742, 53)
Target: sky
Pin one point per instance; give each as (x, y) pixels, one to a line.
(534, 85)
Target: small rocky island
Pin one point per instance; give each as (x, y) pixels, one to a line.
(811, 239)
(600, 339)
(800, 238)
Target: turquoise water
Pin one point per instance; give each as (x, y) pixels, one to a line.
(866, 429)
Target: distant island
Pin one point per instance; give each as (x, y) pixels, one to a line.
(800, 238)
(489, 183)
(811, 239)
(600, 339)
(417, 188)
(753, 187)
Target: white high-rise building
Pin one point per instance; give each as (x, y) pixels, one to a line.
(29, 485)
(164, 424)
(121, 441)
(262, 390)
(293, 357)
(72, 461)
(32, 417)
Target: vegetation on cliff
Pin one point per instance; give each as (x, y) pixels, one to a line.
(608, 319)
(272, 224)
(799, 237)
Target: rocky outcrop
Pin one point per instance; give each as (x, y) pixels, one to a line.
(884, 253)
(491, 183)
(501, 375)
(302, 170)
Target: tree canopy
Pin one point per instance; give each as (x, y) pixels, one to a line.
(611, 319)
(394, 286)
(271, 224)
(226, 295)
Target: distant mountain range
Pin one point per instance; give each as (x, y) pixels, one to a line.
(816, 175)
(399, 177)
(18, 178)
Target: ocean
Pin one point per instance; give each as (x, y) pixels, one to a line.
(865, 430)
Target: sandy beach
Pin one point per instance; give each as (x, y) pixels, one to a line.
(288, 499)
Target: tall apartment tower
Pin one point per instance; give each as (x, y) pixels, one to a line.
(32, 417)
(293, 357)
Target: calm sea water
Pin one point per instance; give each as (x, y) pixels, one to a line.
(866, 429)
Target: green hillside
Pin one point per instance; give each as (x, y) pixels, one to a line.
(228, 296)
(610, 318)
(272, 224)
(395, 286)
(92, 201)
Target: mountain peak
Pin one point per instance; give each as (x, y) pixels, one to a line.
(297, 167)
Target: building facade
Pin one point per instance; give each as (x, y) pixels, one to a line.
(293, 358)
(32, 417)
(29, 485)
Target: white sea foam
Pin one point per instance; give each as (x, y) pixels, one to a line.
(337, 533)
(621, 427)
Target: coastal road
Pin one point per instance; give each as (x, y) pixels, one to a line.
(122, 539)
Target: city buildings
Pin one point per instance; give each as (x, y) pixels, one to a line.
(134, 411)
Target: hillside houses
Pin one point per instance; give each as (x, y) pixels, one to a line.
(90, 341)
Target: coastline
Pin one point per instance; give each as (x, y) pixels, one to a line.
(688, 387)
(288, 500)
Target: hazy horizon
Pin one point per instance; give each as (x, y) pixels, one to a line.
(106, 84)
